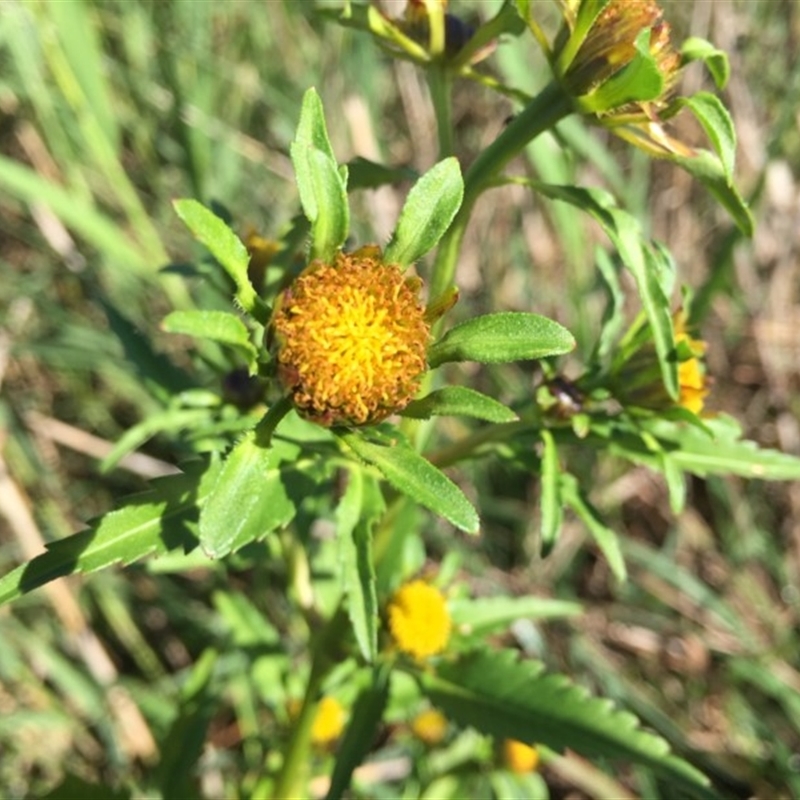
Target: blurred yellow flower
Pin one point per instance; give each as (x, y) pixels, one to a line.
(519, 757)
(637, 380)
(350, 339)
(261, 252)
(419, 620)
(691, 371)
(429, 726)
(328, 722)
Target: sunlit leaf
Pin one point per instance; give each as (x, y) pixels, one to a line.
(414, 475)
(219, 326)
(710, 112)
(427, 213)
(459, 401)
(502, 337)
(227, 249)
(355, 516)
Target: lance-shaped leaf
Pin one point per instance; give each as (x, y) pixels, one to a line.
(710, 112)
(552, 510)
(219, 326)
(716, 61)
(723, 453)
(503, 337)
(322, 185)
(415, 476)
(360, 506)
(427, 213)
(227, 249)
(459, 401)
(606, 539)
(153, 523)
(645, 264)
(500, 695)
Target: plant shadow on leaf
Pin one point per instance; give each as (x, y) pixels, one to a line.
(155, 522)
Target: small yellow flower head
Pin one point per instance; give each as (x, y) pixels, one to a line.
(261, 252)
(350, 339)
(519, 757)
(419, 620)
(691, 372)
(329, 721)
(429, 726)
(638, 381)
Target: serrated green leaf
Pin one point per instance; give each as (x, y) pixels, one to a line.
(552, 512)
(696, 49)
(503, 696)
(227, 249)
(503, 337)
(250, 496)
(710, 112)
(414, 475)
(219, 326)
(459, 401)
(725, 453)
(488, 614)
(606, 539)
(359, 738)
(233, 510)
(355, 516)
(427, 213)
(149, 524)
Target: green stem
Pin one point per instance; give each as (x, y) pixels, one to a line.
(440, 84)
(550, 106)
(291, 780)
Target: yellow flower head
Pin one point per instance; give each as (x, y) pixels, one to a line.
(329, 721)
(429, 726)
(350, 339)
(261, 252)
(638, 380)
(691, 371)
(519, 757)
(419, 620)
